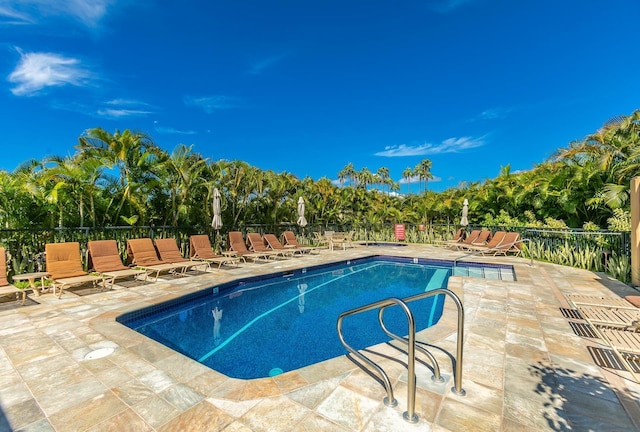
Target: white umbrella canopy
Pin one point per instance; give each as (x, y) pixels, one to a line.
(301, 220)
(465, 211)
(216, 223)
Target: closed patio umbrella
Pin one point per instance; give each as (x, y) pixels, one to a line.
(465, 210)
(216, 223)
(301, 220)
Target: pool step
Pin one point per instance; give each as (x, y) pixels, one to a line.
(437, 280)
(495, 273)
(492, 273)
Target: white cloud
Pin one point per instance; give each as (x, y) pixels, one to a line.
(412, 179)
(212, 103)
(119, 108)
(13, 17)
(258, 67)
(494, 113)
(36, 71)
(170, 130)
(88, 12)
(126, 102)
(121, 112)
(450, 145)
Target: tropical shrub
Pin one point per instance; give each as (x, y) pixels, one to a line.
(619, 267)
(620, 221)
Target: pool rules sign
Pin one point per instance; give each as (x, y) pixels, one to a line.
(399, 231)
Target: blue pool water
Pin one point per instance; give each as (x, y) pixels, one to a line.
(277, 323)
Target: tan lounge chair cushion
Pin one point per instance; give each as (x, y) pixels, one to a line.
(290, 238)
(236, 242)
(273, 241)
(168, 250)
(104, 256)
(201, 247)
(257, 242)
(142, 252)
(63, 260)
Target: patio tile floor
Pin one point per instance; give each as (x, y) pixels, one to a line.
(525, 367)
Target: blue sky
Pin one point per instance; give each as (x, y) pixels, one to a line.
(310, 86)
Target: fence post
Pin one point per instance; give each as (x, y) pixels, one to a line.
(635, 231)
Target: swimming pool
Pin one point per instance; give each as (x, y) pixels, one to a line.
(267, 325)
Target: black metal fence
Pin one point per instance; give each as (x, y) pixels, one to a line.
(585, 249)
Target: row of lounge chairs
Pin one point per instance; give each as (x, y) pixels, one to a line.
(487, 243)
(145, 257)
(616, 321)
(266, 247)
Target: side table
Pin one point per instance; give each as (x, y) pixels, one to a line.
(31, 277)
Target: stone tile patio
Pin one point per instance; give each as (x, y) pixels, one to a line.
(525, 368)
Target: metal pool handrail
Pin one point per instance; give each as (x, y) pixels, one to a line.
(381, 305)
(457, 388)
(470, 254)
(436, 377)
(389, 400)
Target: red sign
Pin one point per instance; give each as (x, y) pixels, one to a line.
(421, 227)
(399, 231)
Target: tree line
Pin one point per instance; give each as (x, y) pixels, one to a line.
(124, 178)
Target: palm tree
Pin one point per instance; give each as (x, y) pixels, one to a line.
(183, 175)
(348, 172)
(383, 175)
(364, 177)
(134, 155)
(80, 178)
(408, 173)
(322, 201)
(280, 187)
(423, 170)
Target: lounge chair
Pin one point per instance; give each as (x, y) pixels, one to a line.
(470, 239)
(273, 243)
(611, 317)
(617, 326)
(626, 345)
(512, 243)
(320, 240)
(289, 239)
(142, 253)
(200, 249)
(65, 267)
(490, 246)
(7, 289)
(610, 302)
(482, 239)
(257, 244)
(337, 239)
(104, 258)
(348, 238)
(168, 250)
(239, 247)
(459, 236)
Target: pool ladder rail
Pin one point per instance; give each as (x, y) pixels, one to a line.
(389, 400)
